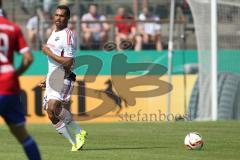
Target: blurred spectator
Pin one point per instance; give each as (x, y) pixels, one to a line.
(32, 30)
(73, 24)
(48, 6)
(150, 31)
(126, 30)
(38, 32)
(185, 7)
(24, 6)
(94, 32)
(28, 4)
(185, 12)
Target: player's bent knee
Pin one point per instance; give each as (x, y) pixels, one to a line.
(65, 116)
(57, 110)
(52, 104)
(52, 117)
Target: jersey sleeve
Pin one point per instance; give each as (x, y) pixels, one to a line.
(69, 45)
(21, 43)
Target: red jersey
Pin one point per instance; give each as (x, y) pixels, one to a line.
(124, 27)
(11, 39)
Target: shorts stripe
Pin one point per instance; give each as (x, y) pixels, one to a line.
(67, 90)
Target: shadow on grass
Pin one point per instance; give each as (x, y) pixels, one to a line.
(121, 148)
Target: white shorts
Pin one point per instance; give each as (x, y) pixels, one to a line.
(62, 94)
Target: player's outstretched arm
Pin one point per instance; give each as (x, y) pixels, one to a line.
(65, 61)
(26, 62)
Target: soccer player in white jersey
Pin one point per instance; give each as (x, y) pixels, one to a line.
(60, 50)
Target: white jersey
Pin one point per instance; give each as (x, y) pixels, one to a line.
(150, 28)
(61, 43)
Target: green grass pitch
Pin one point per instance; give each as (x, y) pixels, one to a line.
(132, 141)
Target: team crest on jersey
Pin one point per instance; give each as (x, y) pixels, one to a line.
(57, 38)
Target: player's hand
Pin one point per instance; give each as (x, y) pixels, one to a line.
(45, 49)
(42, 84)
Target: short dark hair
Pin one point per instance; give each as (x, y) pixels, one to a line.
(92, 4)
(0, 4)
(66, 8)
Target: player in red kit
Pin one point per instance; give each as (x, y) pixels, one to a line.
(11, 109)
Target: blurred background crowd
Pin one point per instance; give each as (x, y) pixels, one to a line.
(95, 22)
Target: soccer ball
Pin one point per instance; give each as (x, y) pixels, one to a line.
(193, 141)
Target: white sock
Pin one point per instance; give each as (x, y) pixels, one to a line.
(74, 126)
(62, 129)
